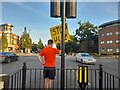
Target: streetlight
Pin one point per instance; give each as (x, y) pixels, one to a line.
(63, 9)
(29, 32)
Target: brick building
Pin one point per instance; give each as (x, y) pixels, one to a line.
(12, 39)
(109, 38)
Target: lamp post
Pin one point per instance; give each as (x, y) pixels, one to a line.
(63, 45)
(29, 32)
(63, 9)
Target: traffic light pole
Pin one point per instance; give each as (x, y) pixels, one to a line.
(63, 45)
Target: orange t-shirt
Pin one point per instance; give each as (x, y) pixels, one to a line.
(49, 54)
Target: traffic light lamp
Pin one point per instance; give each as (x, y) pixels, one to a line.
(55, 8)
(70, 8)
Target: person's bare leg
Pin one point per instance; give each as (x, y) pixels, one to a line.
(50, 83)
(46, 83)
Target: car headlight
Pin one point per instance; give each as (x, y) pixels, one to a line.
(94, 60)
(89, 59)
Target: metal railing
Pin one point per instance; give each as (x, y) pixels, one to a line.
(33, 78)
(110, 81)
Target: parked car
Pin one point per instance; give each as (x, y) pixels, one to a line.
(8, 57)
(85, 58)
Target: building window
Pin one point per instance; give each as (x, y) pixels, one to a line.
(14, 42)
(117, 33)
(8, 41)
(117, 41)
(102, 42)
(117, 49)
(5, 27)
(102, 50)
(102, 34)
(109, 34)
(109, 42)
(109, 50)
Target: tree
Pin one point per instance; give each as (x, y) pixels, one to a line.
(35, 47)
(70, 46)
(87, 34)
(4, 43)
(25, 41)
(40, 44)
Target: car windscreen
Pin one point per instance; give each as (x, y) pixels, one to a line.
(85, 55)
(2, 54)
(8, 54)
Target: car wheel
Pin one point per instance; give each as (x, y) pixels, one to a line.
(8, 61)
(76, 59)
(17, 58)
(81, 60)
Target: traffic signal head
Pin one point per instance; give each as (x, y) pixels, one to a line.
(56, 8)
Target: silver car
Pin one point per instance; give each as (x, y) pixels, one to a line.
(85, 58)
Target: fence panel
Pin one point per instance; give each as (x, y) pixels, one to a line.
(34, 79)
(15, 80)
(110, 81)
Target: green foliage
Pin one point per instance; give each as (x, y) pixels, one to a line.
(87, 34)
(4, 43)
(71, 46)
(37, 47)
(25, 40)
(40, 44)
(34, 47)
(85, 39)
(86, 29)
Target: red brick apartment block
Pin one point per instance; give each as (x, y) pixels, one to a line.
(109, 38)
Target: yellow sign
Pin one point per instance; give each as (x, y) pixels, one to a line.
(56, 33)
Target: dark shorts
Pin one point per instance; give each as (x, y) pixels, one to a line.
(49, 72)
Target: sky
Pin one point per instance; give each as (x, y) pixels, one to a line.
(36, 16)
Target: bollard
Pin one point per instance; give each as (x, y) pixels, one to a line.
(100, 77)
(4, 79)
(82, 77)
(24, 69)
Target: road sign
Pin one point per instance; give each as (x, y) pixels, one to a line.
(56, 33)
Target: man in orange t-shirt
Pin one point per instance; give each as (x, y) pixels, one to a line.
(49, 63)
